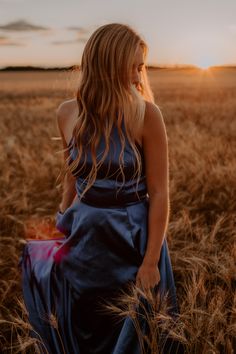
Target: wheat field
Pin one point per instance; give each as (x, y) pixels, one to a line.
(199, 109)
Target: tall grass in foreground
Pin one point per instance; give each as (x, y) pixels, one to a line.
(199, 111)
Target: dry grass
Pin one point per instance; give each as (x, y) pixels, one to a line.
(199, 110)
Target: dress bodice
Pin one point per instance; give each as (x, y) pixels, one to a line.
(109, 178)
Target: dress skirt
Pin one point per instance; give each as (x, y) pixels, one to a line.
(66, 280)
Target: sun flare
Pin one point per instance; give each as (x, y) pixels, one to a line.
(204, 67)
(205, 64)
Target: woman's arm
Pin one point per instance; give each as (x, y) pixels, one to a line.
(69, 190)
(68, 194)
(157, 175)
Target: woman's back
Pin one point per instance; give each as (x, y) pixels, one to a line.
(67, 117)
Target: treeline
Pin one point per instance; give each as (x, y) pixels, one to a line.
(75, 67)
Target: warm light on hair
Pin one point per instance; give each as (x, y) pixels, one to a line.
(106, 94)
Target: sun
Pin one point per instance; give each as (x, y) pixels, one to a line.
(205, 64)
(204, 67)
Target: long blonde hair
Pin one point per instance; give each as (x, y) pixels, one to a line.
(106, 95)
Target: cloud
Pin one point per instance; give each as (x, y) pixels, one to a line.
(6, 41)
(70, 41)
(22, 25)
(82, 36)
(83, 31)
(64, 42)
(80, 30)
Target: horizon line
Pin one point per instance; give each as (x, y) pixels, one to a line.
(71, 67)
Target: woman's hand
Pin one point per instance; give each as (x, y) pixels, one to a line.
(61, 209)
(148, 276)
(62, 206)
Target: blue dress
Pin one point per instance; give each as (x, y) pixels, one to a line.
(66, 280)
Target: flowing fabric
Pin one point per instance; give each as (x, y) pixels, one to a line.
(66, 280)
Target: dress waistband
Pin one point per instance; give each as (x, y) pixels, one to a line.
(109, 201)
(108, 193)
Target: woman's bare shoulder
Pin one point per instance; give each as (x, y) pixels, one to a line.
(154, 125)
(152, 112)
(66, 108)
(66, 115)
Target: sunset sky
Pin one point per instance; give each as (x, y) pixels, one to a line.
(53, 32)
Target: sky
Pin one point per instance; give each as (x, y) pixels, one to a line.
(51, 33)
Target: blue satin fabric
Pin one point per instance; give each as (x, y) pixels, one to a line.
(105, 237)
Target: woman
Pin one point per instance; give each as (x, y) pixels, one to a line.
(114, 209)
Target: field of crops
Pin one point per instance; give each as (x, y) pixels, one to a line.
(199, 109)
